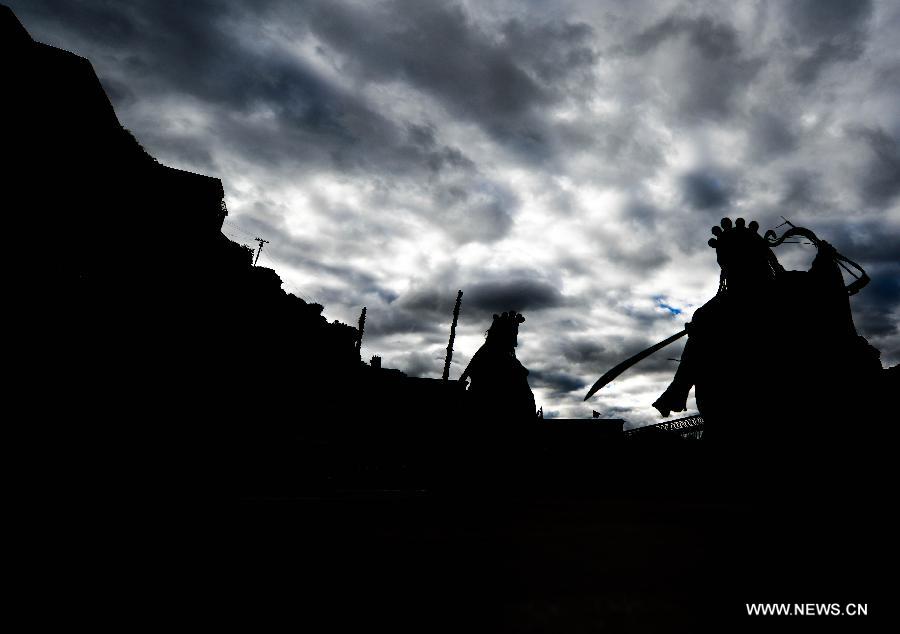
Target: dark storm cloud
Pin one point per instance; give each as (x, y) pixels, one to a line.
(799, 190)
(433, 300)
(393, 321)
(837, 31)
(885, 287)
(826, 19)
(592, 356)
(190, 46)
(551, 52)
(866, 241)
(641, 255)
(423, 148)
(520, 294)
(100, 22)
(433, 46)
(588, 351)
(474, 210)
(715, 71)
(426, 311)
(642, 214)
(559, 383)
(319, 125)
(483, 298)
(808, 69)
(428, 307)
(771, 135)
(572, 363)
(704, 190)
(712, 39)
(876, 308)
(498, 82)
(880, 181)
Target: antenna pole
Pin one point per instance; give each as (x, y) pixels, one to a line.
(259, 251)
(449, 357)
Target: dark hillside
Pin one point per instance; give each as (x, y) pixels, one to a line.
(137, 324)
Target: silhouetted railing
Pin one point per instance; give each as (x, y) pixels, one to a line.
(687, 427)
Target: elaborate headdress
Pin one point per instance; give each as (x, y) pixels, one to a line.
(741, 246)
(505, 327)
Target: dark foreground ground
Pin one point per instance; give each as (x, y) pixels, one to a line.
(645, 538)
(628, 538)
(498, 564)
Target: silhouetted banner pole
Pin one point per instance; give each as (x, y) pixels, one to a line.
(452, 337)
(362, 329)
(619, 369)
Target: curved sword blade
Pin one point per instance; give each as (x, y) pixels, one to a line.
(627, 363)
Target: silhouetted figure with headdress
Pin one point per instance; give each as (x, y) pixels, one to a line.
(499, 386)
(774, 349)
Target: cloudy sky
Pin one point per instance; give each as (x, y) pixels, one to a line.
(565, 159)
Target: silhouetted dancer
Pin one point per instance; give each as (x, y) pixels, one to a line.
(499, 388)
(774, 348)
